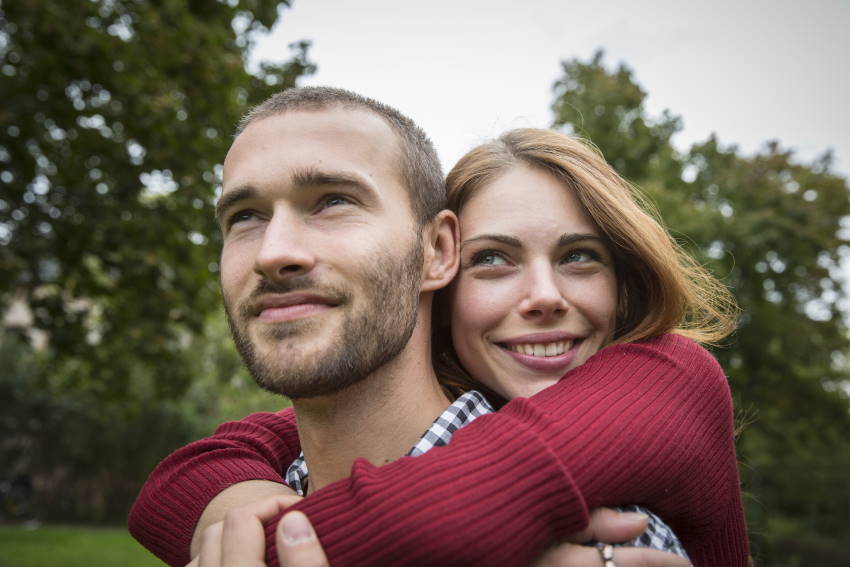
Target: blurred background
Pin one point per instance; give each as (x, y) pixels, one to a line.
(115, 116)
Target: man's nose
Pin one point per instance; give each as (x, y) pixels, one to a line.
(285, 250)
(543, 298)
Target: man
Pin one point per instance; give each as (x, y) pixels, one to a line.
(335, 239)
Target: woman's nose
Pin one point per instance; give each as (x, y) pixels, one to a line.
(543, 297)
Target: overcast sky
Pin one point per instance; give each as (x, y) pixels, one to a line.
(465, 70)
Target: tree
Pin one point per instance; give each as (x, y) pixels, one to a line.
(116, 115)
(770, 228)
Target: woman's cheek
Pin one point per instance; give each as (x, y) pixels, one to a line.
(465, 308)
(481, 305)
(596, 298)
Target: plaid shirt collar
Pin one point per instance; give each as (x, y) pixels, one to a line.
(461, 413)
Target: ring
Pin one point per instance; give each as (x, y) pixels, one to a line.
(606, 550)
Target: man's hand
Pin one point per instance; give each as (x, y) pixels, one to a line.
(609, 526)
(239, 540)
(297, 544)
(234, 496)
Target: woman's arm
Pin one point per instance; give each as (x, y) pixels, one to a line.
(190, 481)
(648, 423)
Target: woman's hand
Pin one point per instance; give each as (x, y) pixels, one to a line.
(239, 540)
(609, 526)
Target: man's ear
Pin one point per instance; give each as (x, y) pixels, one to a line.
(441, 251)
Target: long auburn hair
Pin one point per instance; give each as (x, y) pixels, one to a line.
(661, 289)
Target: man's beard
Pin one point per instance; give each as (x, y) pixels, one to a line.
(366, 340)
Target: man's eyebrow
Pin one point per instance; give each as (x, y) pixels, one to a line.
(227, 200)
(503, 238)
(311, 177)
(300, 179)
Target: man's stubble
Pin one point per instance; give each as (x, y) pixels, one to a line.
(367, 339)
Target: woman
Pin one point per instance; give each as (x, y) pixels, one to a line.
(557, 261)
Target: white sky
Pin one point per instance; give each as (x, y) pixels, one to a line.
(465, 70)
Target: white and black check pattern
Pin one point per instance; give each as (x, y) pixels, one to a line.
(658, 535)
(462, 412)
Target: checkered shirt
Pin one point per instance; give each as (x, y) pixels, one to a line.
(464, 411)
(658, 535)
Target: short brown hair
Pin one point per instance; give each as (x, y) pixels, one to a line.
(419, 168)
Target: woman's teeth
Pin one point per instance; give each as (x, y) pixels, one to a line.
(537, 349)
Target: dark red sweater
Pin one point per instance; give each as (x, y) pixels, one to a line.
(646, 423)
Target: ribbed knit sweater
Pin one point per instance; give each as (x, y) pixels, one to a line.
(647, 423)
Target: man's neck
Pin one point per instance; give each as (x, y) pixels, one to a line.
(379, 419)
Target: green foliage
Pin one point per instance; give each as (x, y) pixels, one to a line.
(607, 108)
(86, 455)
(115, 116)
(56, 546)
(770, 228)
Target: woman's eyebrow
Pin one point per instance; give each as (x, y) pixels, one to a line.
(503, 238)
(568, 239)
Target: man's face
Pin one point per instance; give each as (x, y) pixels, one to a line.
(322, 260)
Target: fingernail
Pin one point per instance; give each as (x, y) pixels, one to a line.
(295, 529)
(635, 516)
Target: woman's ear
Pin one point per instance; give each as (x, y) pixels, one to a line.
(442, 251)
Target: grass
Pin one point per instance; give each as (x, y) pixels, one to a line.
(71, 546)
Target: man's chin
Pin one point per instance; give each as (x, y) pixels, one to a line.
(299, 383)
(283, 334)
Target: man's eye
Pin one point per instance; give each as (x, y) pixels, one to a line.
(335, 201)
(240, 216)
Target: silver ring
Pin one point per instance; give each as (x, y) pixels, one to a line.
(606, 550)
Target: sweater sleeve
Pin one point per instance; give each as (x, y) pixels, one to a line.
(166, 511)
(646, 423)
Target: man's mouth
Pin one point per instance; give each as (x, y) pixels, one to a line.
(286, 307)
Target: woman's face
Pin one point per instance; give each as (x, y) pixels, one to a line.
(536, 293)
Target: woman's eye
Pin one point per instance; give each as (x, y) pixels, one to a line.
(488, 258)
(578, 256)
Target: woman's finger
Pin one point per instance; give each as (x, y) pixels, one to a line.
(297, 543)
(573, 555)
(611, 526)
